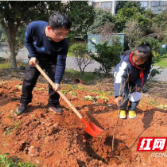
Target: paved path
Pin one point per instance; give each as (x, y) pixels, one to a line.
(162, 76)
(70, 63)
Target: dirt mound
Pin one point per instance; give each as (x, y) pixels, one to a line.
(100, 148)
(50, 140)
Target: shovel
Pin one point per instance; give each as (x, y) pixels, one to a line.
(90, 128)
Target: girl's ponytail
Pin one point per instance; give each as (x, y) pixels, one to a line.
(150, 57)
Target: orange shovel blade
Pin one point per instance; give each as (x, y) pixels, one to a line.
(91, 128)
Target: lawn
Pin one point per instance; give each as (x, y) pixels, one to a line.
(161, 62)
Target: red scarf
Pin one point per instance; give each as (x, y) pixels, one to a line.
(141, 70)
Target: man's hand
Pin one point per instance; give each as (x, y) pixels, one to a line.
(137, 88)
(33, 61)
(117, 100)
(56, 87)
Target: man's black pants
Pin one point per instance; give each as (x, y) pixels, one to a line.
(30, 80)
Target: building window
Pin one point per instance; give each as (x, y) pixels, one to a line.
(162, 3)
(157, 3)
(96, 4)
(144, 5)
(106, 6)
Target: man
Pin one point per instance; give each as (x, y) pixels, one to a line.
(48, 47)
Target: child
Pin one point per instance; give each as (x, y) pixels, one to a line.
(129, 77)
(47, 45)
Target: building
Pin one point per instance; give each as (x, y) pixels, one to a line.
(157, 6)
(110, 5)
(106, 5)
(64, 1)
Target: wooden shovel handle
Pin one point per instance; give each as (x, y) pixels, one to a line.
(59, 92)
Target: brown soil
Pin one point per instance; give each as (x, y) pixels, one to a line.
(50, 140)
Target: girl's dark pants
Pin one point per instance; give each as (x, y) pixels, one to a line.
(124, 106)
(30, 80)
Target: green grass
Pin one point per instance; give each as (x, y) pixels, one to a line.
(162, 62)
(12, 162)
(7, 64)
(71, 54)
(87, 76)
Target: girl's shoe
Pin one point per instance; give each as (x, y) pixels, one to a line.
(132, 114)
(122, 114)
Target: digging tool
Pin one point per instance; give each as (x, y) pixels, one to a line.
(90, 128)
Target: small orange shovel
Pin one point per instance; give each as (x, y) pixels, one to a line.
(90, 128)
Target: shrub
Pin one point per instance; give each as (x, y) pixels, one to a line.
(81, 57)
(156, 56)
(154, 43)
(107, 55)
(79, 48)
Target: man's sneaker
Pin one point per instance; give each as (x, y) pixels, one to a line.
(122, 114)
(22, 108)
(56, 109)
(132, 114)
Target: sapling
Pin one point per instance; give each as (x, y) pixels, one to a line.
(121, 90)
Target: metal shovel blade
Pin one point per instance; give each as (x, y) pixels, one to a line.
(91, 128)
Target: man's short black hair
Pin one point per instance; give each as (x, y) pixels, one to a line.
(59, 20)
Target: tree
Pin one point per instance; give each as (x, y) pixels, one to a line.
(154, 43)
(161, 20)
(106, 31)
(101, 17)
(120, 4)
(125, 14)
(127, 10)
(81, 57)
(128, 4)
(107, 55)
(19, 39)
(1, 30)
(149, 14)
(82, 16)
(14, 14)
(133, 32)
(2, 35)
(133, 3)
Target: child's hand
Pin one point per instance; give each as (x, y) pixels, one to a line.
(137, 88)
(33, 61)
(56, 87)
(117, 100)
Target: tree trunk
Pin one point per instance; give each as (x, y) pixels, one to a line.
(11, 41)
(11, 32)
(130, 44)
